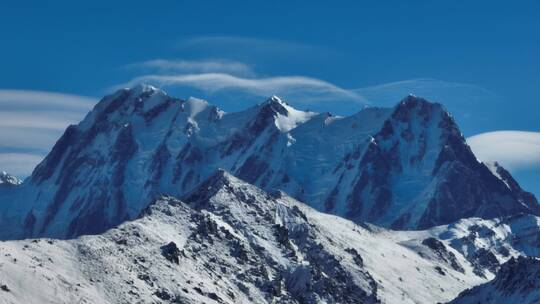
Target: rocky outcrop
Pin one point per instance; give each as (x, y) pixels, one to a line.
(516, 282)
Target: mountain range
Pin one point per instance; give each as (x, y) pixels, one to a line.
(231, 242)
(152, 198)
(404, 168)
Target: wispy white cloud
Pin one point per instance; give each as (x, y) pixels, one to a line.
(436, 90)
(196, 66)
(463, 100)
(300, 88)
(34, 100)
(31, 122)
(28, 139)
(474, 107)
(513, 149)
(50, 119)
(233, 72)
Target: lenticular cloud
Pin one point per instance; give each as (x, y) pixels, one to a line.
(513, 149)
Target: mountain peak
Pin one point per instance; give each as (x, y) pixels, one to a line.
(414, 110)
(412, 102)
(413, 99)
(275, 98)
(284, 116)
(137, 97)
(219, 180)
(221, 189)
(9, 180)
(274, 105)
(220, 176)
(142, 88)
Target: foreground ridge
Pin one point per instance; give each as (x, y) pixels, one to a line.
(234, 243)
(516, 282)
(228, 241)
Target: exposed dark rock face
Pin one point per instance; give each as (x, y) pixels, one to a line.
(320, 276)
(252, 169)
(392, 176)
(526, 197)
(47, 167)
(171, 252)
(356, 256)
(29, 222)
(158, 109)
(442, 252)
(516, 282)
(484, 259)
(469, 190)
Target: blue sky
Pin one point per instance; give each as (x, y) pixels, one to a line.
(479, 58)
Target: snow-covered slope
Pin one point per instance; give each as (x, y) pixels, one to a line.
(518, 281)
(405, 167)
(230, 242)
(487, 244)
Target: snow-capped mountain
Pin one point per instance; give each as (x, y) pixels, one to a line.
(516, 282)
(407, 167)
(7, 180)
(230, 242)
(418, 172)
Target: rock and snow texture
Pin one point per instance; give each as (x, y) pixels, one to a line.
(518, 281)
(8, 180)
(230, 242)
(418, 172)
(406, 168)
(486, 244)
(526, 198)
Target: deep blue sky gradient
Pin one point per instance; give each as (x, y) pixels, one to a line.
(83, 47)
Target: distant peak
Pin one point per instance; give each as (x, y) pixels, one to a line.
(413, 100)
(285, 117)
(412, 105)
(275, 105)
(275, 98)
(7, 179)
(143, 88)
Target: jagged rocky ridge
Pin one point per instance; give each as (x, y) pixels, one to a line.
(230, 242)
(518, 281)
(408, 167)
